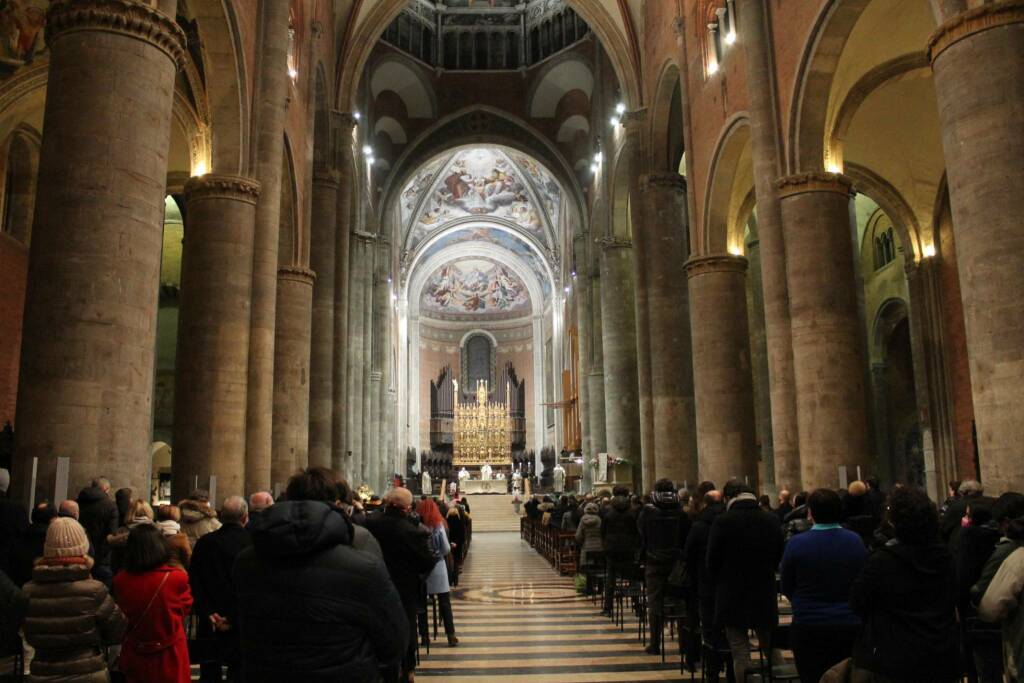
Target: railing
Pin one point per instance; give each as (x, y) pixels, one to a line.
(557, 546)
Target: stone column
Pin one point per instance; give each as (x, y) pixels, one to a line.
(584, 329)
(880, 404)
(829, 363)
(356, 358)
(665, 226)
(366, 337)
(978, 63)
(213, 335)
(595, 368)
(341, 443)
(272, 93)
(618, 332)
(759, 365)
(88, 342)
(322, 257)
(291, 372)
(724, 392)
(766, 156)
(378, 392)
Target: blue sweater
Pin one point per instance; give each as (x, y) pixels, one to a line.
(817, 570)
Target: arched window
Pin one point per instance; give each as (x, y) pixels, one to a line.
(20, 186)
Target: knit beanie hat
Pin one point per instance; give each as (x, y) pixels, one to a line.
(65, 537)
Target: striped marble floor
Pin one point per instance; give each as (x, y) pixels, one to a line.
(518, 620)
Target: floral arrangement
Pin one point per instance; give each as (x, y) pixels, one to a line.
(615, 460)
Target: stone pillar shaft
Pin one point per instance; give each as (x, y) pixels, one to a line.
(356, 361)
(978, 63)
(595, 368)
(341, 444)
(270, 111)
(291, 373)
(213, 335)
(88, 342)
(675, 439)
(366, 337)
(322, 256)
(721, 368)
(765, 152)
(584, 327)
(829, 363)
(618, 331)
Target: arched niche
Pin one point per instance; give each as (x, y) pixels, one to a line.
(19, 189)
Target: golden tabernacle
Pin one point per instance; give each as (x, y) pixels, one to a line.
(482, 431)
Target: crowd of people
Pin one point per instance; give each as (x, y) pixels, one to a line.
(881, 588)
(314, 586)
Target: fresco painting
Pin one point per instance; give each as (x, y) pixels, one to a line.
(475, 287)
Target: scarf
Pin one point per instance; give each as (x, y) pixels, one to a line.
(142, 519)
(168, 527)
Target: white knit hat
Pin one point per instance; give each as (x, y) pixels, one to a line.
(65, 537)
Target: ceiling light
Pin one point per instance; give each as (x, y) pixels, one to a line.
(620, 108)
(369, 161)
(367, 150)
(357, 115)
(614, 121)
(712, 68)
(594, 168)
(929, 250)
(730, 37)
(598, 157)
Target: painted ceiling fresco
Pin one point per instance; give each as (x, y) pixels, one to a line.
(474, 288)
(496, 237)
(481, 182)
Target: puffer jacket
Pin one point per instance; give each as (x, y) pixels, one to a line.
(197, 519)
(588, 537)
(71, 618)
(311, 607)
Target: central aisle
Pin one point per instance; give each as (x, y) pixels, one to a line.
(518, 620)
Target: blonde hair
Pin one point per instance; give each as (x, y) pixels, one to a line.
(140, 508)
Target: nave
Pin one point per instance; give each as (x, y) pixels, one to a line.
(518, 620)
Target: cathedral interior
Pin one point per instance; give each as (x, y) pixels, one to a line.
(767, 240)
(708, 238)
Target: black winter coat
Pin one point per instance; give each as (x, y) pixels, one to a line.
(209, 571)
(13, 523)
(696, 551)
(744, 550)
(311, 607)
(97, 512)
(906, 597)
(619, 533)
(663, 530)
(407, 553)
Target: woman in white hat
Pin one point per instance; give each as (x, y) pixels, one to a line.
(71, 617)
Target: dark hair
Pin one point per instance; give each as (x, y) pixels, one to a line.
(313, 483)
(764, 500)
(954, 486)
(145, 549)
(1015, 528)
(1008, 506)
(620, 490)
(664, 486)
(825, 506)
(800, 499)
(703, 488)
(873, 483)
(735, 487)
(913, 516)
(43, 512)
(345, 494)
(980, 511)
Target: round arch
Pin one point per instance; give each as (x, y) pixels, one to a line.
(722, 230)
(666, 132)
(19, 189)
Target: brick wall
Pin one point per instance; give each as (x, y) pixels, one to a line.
(13, 275)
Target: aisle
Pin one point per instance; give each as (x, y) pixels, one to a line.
(517, 620)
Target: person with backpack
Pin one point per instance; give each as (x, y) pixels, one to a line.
(663, 529)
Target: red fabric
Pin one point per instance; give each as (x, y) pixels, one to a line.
(155, 650)
(429, 514)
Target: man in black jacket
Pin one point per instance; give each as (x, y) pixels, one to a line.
(663, 529)
(209, 575)
(744, 549)
(310, 606)
(97, 512)
(621, 540)
(702, 581)
(407, 554)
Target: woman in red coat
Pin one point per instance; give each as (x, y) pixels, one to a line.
(156, 599)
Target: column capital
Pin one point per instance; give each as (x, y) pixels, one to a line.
(127, 17)
(652, 182)
(345, 120)
(715, 263)
(215, 186)
(298, 274)
(326, 177)
(813, 182)
(635, 118)
(607, 243)
(973, 21)
(366, 237)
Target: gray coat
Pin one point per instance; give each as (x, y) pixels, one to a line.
(437, 580)
(588, 536)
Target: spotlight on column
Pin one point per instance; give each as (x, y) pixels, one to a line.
(929, 251)
(620, 108)
(730, 37)
(712, 68)
(357, 115)
(367, 150)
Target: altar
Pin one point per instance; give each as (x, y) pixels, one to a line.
(471, 486)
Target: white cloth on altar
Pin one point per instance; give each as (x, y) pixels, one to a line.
(485, 472)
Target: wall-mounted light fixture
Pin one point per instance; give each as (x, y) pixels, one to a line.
(616, 119)
(928, 251)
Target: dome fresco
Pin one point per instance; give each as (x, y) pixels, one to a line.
(474, 288)
(481, 182)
